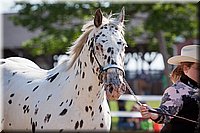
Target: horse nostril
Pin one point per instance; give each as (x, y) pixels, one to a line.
(123, 86)
(111, 89)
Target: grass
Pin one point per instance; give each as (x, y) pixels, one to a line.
(128, 106)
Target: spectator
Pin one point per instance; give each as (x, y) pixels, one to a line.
(124, 123)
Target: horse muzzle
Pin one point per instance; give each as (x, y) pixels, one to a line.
(113, 83)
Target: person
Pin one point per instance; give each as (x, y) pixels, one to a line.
(181, 98)
(123, 122)
(142, 124)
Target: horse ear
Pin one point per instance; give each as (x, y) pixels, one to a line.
(122, 15)
(98, 18)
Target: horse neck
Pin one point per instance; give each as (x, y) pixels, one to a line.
(85, 77)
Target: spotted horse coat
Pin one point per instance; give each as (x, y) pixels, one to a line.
(71, 96)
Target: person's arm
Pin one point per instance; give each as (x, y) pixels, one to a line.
(171, 103)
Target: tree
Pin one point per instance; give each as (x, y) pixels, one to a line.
(61, 23)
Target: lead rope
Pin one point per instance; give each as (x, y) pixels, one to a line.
(153, 111)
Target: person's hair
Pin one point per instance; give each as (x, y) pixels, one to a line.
(177, 72)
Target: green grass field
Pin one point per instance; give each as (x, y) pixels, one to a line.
(128, 106)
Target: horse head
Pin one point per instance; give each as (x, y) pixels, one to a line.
(107, 52)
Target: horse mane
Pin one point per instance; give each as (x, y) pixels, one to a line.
(76, 48)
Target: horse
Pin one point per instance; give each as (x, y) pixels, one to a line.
(72, 96)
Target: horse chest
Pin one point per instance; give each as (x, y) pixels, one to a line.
(87, 116)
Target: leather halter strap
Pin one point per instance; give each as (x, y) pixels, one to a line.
(105, 68)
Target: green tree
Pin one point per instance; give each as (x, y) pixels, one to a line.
(61, 23)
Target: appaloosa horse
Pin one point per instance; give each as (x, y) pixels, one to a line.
(71, 96)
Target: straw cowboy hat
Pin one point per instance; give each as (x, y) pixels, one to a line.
(189, 53)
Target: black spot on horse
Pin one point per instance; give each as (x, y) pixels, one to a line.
(35, 88)
(113, 62)
(51, 79)
(100, 108)
(31, 120)
(97, 48)
(81, 123)
(26, 109)
(66, 101)
(77, 72)
(26, 98)
(49, 97)
(90, 88)
(76, 125)
(47, 118)
(119, 43)
(14, 73)
(86, 108)
(103, 41)
(112, 52)
(11, 95)
(67, 78)
(108, 60)
(33, 127)
(101, 125)
(76, 86)
(85, 64)
(96, 37)
(90, 107)
(63, 112)
(36, 111)
(61, 104)
(29, 81)
(83, 75)
(80, 65)
(92, 114)
(105, 56)
(108, 50)
(71, 102)
(10, 101)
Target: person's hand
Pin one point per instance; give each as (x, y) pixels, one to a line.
(144, 110)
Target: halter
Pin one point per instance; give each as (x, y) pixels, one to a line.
(105, 68)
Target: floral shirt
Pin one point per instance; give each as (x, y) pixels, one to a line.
(180, 99)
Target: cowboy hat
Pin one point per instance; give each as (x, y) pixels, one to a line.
(189, 53)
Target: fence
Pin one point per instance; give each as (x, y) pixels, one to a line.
(155, 128)
(129, 97)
